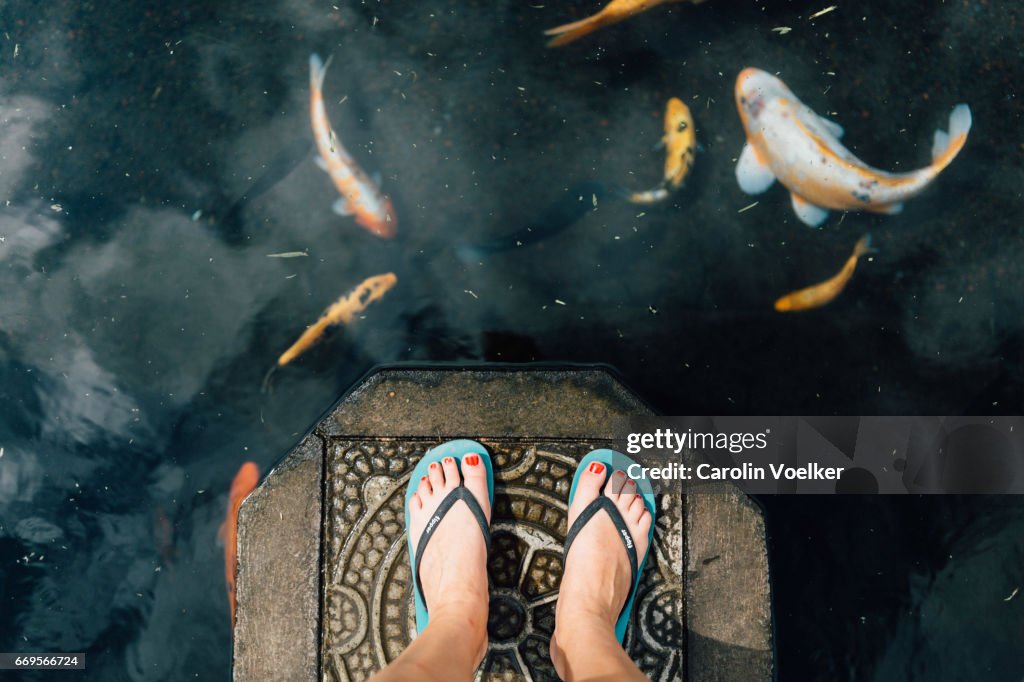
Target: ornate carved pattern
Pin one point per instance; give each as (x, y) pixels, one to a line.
(367, 613)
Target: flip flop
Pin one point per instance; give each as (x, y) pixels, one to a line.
(457, 449)
(614, 461)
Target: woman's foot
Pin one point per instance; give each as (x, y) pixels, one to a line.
(597, 580)
(453, 571)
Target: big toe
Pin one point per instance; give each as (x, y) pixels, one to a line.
(474, 476)
(588, 487)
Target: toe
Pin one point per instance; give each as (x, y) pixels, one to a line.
(644, 523)
(424, 490)
(588, 487)
(474, 473)
(626, 496)
(415, 503)
(634, 509)
(436, 476)
(614, 485)
(451, 473)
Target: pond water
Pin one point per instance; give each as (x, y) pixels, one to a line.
(153, 155)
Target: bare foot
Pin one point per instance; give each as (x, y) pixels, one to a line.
(596, 580)
(453, 573)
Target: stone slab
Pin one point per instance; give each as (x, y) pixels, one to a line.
(277, 626)
(537, 423)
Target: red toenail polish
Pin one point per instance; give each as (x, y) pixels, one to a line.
(433, 465)
(423, 479)
(448, 460)
(596, 468)
(472, 460)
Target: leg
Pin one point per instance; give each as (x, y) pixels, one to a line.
(454, 579)
(596, 584)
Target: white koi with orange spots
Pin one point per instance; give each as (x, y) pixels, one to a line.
(788, 142)
(360, 197)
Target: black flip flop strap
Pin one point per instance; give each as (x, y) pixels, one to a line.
(603, 502)
(460, 493)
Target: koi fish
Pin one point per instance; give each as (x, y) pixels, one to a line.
(359, 195)
(680, 142)
(243, 484)
(819, 294)
(787, 141)
(342, 311)
(613, 13)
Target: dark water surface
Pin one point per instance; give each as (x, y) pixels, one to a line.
(153, 154)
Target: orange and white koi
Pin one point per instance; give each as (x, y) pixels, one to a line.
(787, 141)
(360, 197)
(680, 142)
(342, 311)
(613, 13)
(245, 482)
(819, 294)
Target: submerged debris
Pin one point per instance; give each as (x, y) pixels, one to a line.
(288, 254)
(823, 12)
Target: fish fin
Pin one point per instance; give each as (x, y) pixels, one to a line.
(318, 70)
(566, 33)
(753, 175)
(831, 126)
(341, 207)
(887, 209)
(947, 145)
(808, 213)
(321, 164)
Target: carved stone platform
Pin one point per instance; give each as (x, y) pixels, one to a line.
(324, 584)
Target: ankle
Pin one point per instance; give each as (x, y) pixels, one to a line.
(580, 630)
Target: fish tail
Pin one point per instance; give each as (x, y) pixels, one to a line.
(947, 144)
(318, 70)
(864, 245)
(566, 33)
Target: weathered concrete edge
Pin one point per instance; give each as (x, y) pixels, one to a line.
(729, 618)
(277, 633)
(401, 401)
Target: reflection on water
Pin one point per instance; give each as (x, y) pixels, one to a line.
(152, 157)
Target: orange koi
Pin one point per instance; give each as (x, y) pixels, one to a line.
(359, 195)
(342, 311)
(787, 141)
(613, 13)
(244, 483)
(819, 294)
(680, 142)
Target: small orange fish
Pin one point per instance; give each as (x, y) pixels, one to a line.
(245, 481)
(680, 143)
(819, 294)
(613, 13)
(342, 311)
(360, 196)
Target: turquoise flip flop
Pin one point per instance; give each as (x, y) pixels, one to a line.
(614, 461)
(457, 449)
